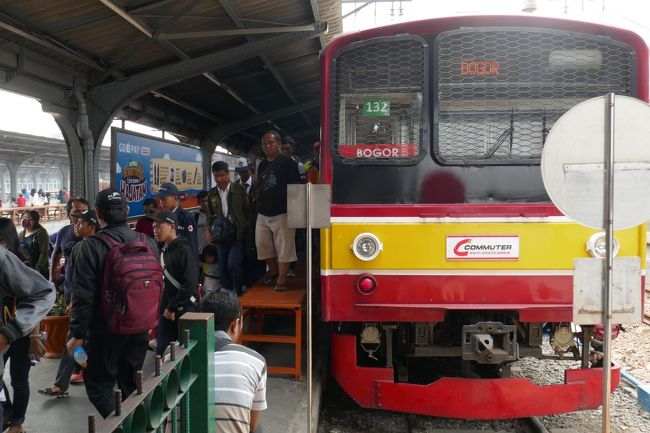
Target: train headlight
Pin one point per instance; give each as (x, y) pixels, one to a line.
(366, 246)
(597, 248)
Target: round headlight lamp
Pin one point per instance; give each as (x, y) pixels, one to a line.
(366, 246)
(597, 246)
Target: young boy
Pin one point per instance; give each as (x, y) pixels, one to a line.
(181, 276)
(210, 268)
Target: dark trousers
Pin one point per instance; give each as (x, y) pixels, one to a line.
(67, 366)
(231, 258)
(19, 373)
(113, 358)
(168, 329)
(252, 267)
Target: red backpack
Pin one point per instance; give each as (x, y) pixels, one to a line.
(132, 284)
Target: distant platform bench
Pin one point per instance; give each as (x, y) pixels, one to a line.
(263, 300)
(48, 212)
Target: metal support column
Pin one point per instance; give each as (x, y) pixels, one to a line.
(608, 215)
(65, 119)
(310, 335)
(13, 178)
(65, 176)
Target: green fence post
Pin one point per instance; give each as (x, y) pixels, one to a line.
(201, 393)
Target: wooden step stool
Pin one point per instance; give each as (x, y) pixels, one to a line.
(261, 300)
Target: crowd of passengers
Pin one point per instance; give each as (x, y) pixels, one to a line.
(207, 260)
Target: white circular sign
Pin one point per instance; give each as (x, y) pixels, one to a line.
(573, 162)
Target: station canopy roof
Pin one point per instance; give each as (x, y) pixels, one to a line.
(110, 40)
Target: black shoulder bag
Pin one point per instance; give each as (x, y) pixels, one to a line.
(222, 229)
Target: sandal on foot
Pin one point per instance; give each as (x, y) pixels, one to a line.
(269, 277)
(280, 287)
(50, 392)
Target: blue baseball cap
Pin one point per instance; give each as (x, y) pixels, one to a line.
(167, 189)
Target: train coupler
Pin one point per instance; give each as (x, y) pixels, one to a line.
(490, 343)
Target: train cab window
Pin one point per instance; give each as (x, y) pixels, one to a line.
(375, 127)
(499, 91)
(378, 114)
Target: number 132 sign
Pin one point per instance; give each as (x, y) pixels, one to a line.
(376, 107)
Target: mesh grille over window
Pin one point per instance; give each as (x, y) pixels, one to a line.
(379, 100)
(499, 92)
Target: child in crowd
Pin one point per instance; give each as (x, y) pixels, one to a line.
(209, 268)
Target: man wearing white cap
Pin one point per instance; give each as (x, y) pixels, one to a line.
(243, 169)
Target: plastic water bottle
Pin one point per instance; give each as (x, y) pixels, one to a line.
(80, 356)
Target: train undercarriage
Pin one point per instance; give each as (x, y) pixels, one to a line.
(461, 367)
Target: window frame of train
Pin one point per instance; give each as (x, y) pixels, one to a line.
(490, 70)
(344, 105)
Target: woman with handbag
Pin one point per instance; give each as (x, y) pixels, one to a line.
(229, 218)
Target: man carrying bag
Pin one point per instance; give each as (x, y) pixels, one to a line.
(228, 219)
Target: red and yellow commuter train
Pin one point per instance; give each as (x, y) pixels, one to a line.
(446, 262)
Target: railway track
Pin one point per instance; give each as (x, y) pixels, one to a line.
(521, 425)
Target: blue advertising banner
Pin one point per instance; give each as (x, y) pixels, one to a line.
(140, 164)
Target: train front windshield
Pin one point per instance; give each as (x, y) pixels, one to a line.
(461, 116)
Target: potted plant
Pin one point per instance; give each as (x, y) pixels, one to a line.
(56, 324)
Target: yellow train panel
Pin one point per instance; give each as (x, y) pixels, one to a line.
(551, 246)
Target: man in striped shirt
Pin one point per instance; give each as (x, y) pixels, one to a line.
(239, 372)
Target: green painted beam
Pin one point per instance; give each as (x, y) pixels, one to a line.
(201, 394)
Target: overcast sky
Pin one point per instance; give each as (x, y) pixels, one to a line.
(21, 114)
(628, 13)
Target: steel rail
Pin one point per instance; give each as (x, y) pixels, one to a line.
(523, 425)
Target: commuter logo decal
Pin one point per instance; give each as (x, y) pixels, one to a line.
(482, 247)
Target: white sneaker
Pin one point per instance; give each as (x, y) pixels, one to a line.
(291, 273)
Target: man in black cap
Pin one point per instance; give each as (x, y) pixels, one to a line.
(111, 357)
(169, 200)
(181, 277)
(86, 225)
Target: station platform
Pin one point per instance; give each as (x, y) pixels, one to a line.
(286, 398)
(286, 395)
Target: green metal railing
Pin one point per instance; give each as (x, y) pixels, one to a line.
(180, 392)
